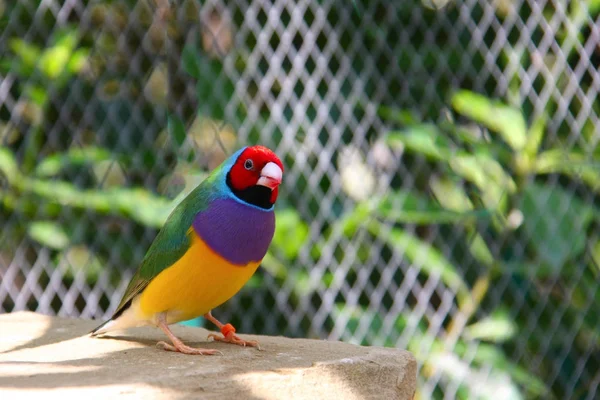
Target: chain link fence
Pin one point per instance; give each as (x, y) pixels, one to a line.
(441, 185)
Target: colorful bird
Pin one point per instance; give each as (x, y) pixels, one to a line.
(209, 247)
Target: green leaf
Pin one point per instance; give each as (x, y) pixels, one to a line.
(176, 129)
(498, 327)
(480, 251)
(593, 7)
(573, 164)
(78, 60)
(53, 60)
(470, 135)
(49, 234)
(498, 117)
(273, 266)
(136, 203)
(429, 259)
(535, 136)
(404, 117)
(595, 254)
(108, 173)
(290, 233)
(191, 60)
(425, 139)
(482, 171)
(488, 175)
(351, 221)
(37, 93)
(450, 195)
(555, 223)
(8, 165)
(28, 53)
(76, 156)
(406, 207)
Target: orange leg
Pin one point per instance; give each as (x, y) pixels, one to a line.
(178, 345)
(228, 332)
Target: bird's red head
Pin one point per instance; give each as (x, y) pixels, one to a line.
(256, 170)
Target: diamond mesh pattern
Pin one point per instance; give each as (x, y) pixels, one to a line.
(91, 163)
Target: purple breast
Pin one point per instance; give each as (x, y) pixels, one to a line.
(237, 232)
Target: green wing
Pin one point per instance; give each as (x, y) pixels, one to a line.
(170, 244)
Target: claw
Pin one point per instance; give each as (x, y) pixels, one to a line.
(178, 345)
(228, 332)
(234, 339)
(184, 349)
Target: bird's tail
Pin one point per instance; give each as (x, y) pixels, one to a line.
(103, 328)
(125, 317)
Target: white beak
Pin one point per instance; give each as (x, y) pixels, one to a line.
(270, 176)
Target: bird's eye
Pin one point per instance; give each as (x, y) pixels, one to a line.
(248, 164)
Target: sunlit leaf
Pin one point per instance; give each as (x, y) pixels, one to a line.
(37, 93)
(471, 135)
(53, 60)
(108, 173)
(424, 139)
(573, 164)
(28, 53)
(535, 136)
(9, 133)
(498, 117)
(488, 175)
(137, 203)
(450, 195)
(595, 253)
(407, 207)
(78, 60)
(593, 6)
(352, 220)
(76, 156)
(49, 234)
(482, 170)
(290, 232)
(273, 265)
(8, 165)
(498, 327)
(480, 250)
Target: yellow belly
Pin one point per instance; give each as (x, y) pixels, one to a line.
(200, 281)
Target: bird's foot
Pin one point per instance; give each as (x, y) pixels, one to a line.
(179, 347)
(229, 336)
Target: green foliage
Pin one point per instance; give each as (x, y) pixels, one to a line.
(79, 157)
(505, 120)
(506, 175)
(556, 239)
(48, 234)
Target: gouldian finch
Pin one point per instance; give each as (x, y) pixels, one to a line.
(210, 245)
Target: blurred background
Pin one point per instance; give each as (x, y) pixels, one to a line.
(442, 176)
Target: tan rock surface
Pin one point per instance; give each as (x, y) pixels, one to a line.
(47, 357)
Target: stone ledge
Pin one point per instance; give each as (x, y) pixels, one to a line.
(54, 358)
